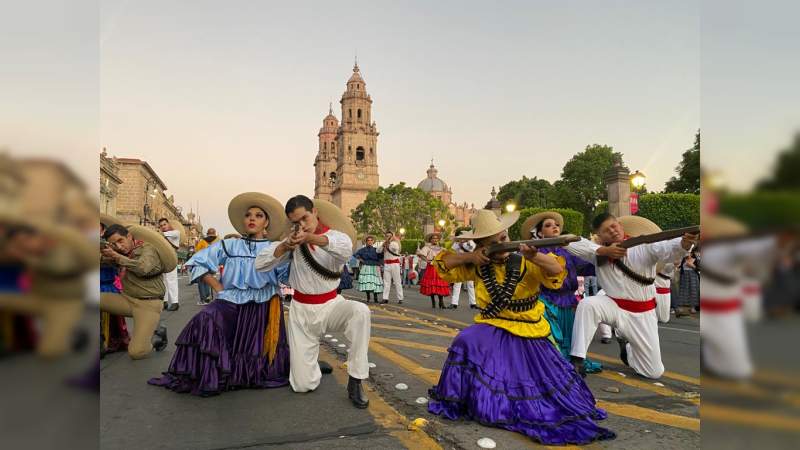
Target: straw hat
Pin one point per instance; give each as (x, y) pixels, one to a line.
(167, 255)
(233, 236)
(634, 226)
(485, 223)
(278, 223)
(109, 220)
(330, 215)
(720, 227)
(430, 236)
(177, 225)
(526, 231)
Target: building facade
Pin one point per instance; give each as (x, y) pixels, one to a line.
(346, 165)
(433, 185)
(140, 195)
(109, 184)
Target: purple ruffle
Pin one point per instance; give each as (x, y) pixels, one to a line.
(221, 349)
(519, 384)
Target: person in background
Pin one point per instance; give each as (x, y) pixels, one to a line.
(210, 239)
(173, 236)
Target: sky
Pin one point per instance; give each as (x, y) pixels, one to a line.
(222, 98)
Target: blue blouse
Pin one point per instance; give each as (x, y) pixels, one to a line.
(368, 256)
(9, 278)
(565, 296)
(240, 281)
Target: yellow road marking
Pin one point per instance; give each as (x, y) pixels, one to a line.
(644, 385)
(409, 344)
(412, 330)
(386, 416)
(434, 316)
(650, 415)
(769, 376)
(667, 374)
(745, 389)
(401, 317)
(632, 411)
(753, 419)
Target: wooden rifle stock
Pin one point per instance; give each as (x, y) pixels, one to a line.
(560, 241)
(658, 237)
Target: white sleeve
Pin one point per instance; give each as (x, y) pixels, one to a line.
(266, 260)
(339, 245)
(584, 249)
(666, 251)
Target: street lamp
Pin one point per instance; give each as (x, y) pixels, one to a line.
(402, 231)
(510, 207)
(638, 179)
(441, 223)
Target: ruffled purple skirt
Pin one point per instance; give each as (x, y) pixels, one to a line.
(221, 349)
(520, 384)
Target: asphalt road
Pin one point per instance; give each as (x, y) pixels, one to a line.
(408, 345)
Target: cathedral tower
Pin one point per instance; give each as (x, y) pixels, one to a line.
(325, 163)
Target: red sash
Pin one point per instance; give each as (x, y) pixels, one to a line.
(634, 305)
(314, 299)
(721, 305)
(663, 290)
(391, 261)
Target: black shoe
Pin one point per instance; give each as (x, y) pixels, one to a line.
(80, 340)
(356, 393)
(383, 302)
(441, 304)
(173, 307)
(399, 302)
(623, 350)
(452, 306)
(324, 367)
(579, 366)
(160, 339)
(473, 306)
(165, 307)
(605, 340)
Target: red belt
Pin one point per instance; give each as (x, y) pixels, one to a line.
(721, 305)
(751, 290)
(635, 305)
(663, 290)
(391, 261)
(314, 299)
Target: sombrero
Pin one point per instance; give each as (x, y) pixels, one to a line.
(233, 236)
(82, 249)
(721, 227)
(278, 223)
(430, 236)
(526, 231)
(634, 226)
(167, 255)
(109, 220)
(177, 225)
(485, 223)
(330, 215)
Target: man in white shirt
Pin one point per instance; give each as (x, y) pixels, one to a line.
(629, 302)
(171, 278)
(392, 260)
(317, 250)
(463, 247)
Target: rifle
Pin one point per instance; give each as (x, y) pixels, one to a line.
(560, 241)
(654, 237)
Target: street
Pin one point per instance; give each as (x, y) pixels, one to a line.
(408, 345)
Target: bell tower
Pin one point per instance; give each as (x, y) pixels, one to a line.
(325, 175)
(356, 143)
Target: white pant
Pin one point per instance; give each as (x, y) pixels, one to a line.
(663, 306)
(392, 275)
(305, 326)
(640, 329)
(171, 283)
(724, 344)
(606, 331)
(457, 292)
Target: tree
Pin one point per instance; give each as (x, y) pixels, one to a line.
(688, 179)
(527, 193)
(784, 173)
(582, 183)
(397, 206)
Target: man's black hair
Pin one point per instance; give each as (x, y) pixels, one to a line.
(115, 229)
(163, 219)
(600, 218)
(298, 201)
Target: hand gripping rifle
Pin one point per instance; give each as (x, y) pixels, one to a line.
(654, 237)
(560, 241)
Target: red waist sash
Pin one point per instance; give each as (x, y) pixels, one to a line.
(314, 299)
(635, 306)
(391, 261)
(720, 305)
(663, 290)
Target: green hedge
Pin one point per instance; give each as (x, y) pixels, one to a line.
(763, 209)
(409, 246)
(573, 221)
(666, 210)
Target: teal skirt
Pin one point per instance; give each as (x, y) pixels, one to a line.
(369, 279)
(561, 321)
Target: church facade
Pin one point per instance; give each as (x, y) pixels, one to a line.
(346, 165)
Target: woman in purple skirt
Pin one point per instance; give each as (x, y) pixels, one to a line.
(239, 340)
(505, 371)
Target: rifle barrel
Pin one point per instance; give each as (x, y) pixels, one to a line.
(661, 236)
(559, 241)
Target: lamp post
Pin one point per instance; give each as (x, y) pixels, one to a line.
(510, 207)
(638, 179)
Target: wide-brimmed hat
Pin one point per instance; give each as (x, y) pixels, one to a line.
(430, 236)
(166, 253)
(109, 220)
(178, 226)
(233, 236)
(460, 237)
(485, 223)
(527, 227)
(278, 223)
(634, 226)
(721, 227)
(332, 216)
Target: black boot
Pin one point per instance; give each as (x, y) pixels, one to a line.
(623, 350)
(433, 302)
(160, 339)
(324, 367)
(356, 393)
(579, 366)
(441, 303)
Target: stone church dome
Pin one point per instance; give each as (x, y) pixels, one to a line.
(432, 183)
